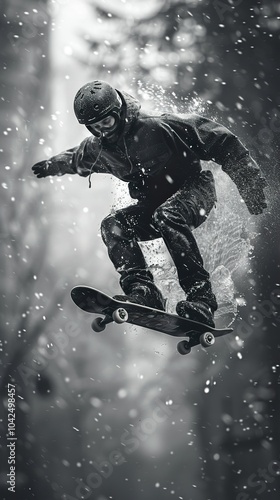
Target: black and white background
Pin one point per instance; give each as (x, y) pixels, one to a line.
(121, 415)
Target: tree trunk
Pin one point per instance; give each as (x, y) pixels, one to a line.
(25, 101)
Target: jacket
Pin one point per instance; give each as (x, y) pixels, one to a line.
(156, 155)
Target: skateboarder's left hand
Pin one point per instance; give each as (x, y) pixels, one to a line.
(254, 196)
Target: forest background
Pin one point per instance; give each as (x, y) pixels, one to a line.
(122, 415)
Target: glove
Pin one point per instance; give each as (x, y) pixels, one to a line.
(246, 174)
(57, 165)
(253, 195)
(44, 168)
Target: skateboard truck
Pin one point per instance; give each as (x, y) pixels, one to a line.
(205, 340)
(119, 316)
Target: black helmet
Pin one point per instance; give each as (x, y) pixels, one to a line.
(95, 101)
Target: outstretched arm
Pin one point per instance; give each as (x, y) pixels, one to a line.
(226, 149)
(79, 160)
(57, 165)
(212, 141)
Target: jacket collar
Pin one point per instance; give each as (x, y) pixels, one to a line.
(132, 109)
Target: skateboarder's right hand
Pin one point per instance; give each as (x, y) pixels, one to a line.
(45, 168)
(57, 165)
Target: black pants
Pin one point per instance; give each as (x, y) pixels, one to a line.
(173, 221)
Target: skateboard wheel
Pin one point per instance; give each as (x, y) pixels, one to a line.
(97, 326)
(120, 315)
(183, 347)
(207, 339)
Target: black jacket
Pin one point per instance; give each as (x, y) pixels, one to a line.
(156, 155)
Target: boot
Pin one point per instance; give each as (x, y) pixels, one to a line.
(196, 311)
(146, 295)
(200, 291)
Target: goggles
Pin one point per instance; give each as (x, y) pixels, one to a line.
(103, 127)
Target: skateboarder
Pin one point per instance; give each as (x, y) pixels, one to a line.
(159, 157)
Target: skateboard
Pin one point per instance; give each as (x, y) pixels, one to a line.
(92, 300)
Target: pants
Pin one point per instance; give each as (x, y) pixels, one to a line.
(173, 221)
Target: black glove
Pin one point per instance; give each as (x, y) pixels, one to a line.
(57, 165)
(45, 168)
(253, 195)
(247, 176)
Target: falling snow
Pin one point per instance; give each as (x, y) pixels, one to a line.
(121, 413)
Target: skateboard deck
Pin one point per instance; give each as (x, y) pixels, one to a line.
(92, 300)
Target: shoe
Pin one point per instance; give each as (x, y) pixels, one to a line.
(196, 311)
(145, 296)
(201, 291)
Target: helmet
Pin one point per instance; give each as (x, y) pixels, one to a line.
(96, 100)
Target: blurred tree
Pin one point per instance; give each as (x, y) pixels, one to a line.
(172, 52)
(24, 229)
